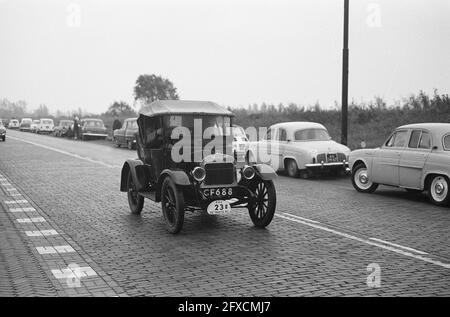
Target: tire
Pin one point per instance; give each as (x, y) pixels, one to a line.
(129, 145)
(292, 168)
(262, 211)
(438, 190)
(116, 142)
(135, 201)
(172, 205)
(3, 138)
(361, 181)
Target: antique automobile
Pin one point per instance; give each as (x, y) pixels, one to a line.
(2, 131)
(45, 126)
(415, 157)
(127, 134)
(300, 149)
(204, 177)
(240, 143)
(25, 124)
(13, 124)
(34, 125)
(63, 128)
(93, 129)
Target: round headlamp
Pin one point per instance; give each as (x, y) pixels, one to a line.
(248, 172)
(199, 173)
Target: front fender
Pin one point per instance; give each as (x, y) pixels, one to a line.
(265, 172)
(179, 177)
(130, 167)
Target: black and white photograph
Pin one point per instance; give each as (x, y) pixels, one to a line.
(223, 155)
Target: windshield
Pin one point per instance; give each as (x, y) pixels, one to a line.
(220, 125)
(132, 124)
(47, 121)
(26, 121)
(94, 124)
(66, 123)
(312, 135)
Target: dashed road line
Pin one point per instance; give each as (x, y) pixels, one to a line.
(367, 241)
(59, 249)
(20, 201)
(31, 220)
(41, 233)
(25, 209)
(398, 246)
(73, 271)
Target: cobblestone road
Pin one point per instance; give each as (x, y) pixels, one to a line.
(66, 230)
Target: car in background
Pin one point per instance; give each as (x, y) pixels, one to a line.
(127, 134)
(45, 126)
(240, 143)
(63, 128)
(300, 149)
(93, 129)
(2, 131)
(415, 157)
(25, 124)
(34, 125)
(13, 124)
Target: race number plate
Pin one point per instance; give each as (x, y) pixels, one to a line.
(219, 207)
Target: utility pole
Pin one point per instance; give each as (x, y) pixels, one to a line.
(344, 126)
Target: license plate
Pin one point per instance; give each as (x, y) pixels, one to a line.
(331, 158)
(219, 207)
(219, 192)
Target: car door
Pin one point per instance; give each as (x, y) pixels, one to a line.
(385, 169)
(413, 158)
(123, 132)
(274, 149)
(263, 148)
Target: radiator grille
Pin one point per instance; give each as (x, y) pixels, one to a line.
(219, 173)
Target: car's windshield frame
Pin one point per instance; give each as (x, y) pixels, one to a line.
(326, 137)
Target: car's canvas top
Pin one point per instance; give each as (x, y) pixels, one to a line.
(161, 107)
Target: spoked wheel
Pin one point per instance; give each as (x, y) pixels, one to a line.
(172, 202)
(292, 168)
(135, 201)
(439, 190)
(262, 209)
(361, 180)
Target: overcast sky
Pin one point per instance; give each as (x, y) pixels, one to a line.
(70, 54)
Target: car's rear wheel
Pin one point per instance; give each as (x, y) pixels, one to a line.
(262, 210)
(361, 180)
(130, 145)
(438, 190)
(292, 168)
(135, 200)
(172, 203)
(116, 142)
(4, 138)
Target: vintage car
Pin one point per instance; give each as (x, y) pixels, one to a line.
(415, 157)
(63, 128)
(300, 149)
(2, 131)
(197, 180)
(240, 143)
(34, 125)
(92, 129)
(13, 124)
(45, 126)
(127, 134)
(25, 124)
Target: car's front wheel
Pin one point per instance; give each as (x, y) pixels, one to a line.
(130, 145)
(262, 209)
(361, 180)
(135, 200)
(438, 190)
(292, 168)
(172, 203)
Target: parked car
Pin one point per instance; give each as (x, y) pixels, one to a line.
(45, 126)
(127, 134)
(240, 143)
(2, 131)
(25, 124)
(301, 149)
(93, 129)
(63, 128)
(213, 182)
(415, 157)
(34, 125)
(13, 124)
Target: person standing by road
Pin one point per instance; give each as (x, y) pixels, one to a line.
(76, 128)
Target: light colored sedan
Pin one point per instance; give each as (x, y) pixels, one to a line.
(300, 149)
(415, 157)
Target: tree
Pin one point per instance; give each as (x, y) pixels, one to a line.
(41, 111)
(120, 108)
(149, 88)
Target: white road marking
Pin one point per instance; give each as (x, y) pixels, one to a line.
(41, 233)
(20, 201)
(30, 220)
(55, 249)
(26, 209)
(15, 195)
(79, 272)
(398, 246)
(367, 241)
(298, 217)
(67, 153)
